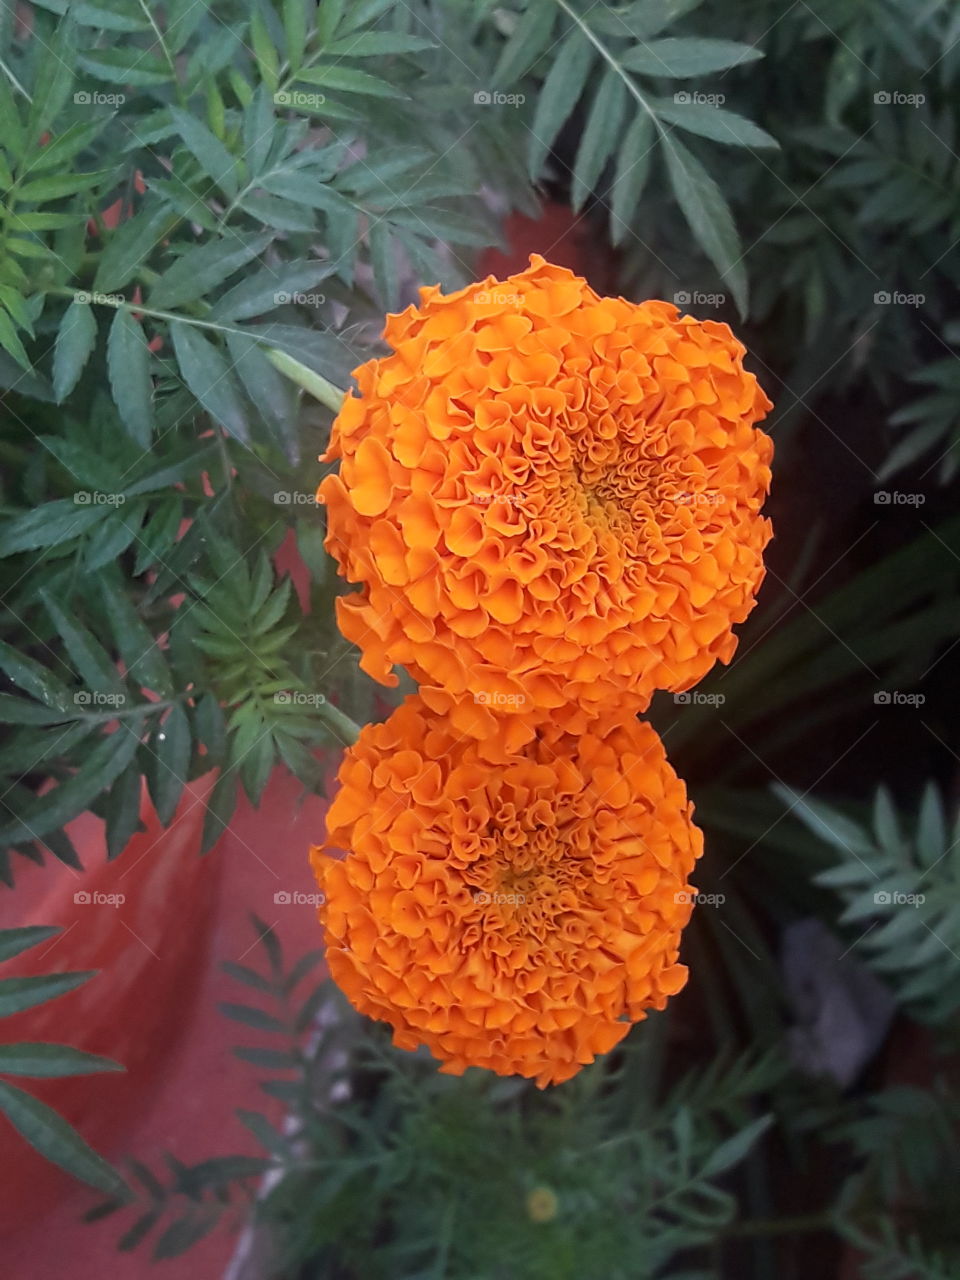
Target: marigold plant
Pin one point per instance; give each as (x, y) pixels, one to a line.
(551, 500)
(517, 918)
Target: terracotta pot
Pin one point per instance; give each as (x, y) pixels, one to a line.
(142, 922)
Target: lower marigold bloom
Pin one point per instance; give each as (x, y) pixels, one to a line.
(551, 500)
(517, 918)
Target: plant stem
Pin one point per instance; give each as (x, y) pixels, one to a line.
(322, 390)
(801, 1222)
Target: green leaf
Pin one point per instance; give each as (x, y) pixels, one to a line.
(47, 526)
(214, 158)
(15, 941)
(731, 1152)
(54, 80)
(681, 58)
(273, 395)
(600, 136)
(17, 994)
(713, 122)
(202, 268)
(185, 1232)
(62, 149)
(35, 679)
(49, 1060)
(270, 288)
(347, 80)
(269, 1059)
(529, 40)
(708, 214)
(10, 341)
(369, 44)
(58, 185)
(91, 661)
(220, 807)
(105, 762)
(76, 339)
(102, 17)
(122, 811)
(633, 166)
(128, 367)
(130, 246)
(172, 743)
(208, 376)
(295, 31)
(560, 93)
(126, 66)
(50, 1134)
(251, 1017)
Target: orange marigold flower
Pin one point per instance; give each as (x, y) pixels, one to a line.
(517, 918)
(551, 499)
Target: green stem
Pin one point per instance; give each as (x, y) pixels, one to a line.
(801, 1222)
(322, 390)
(347, 730)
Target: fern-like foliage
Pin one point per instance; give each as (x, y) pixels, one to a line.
(900, 892)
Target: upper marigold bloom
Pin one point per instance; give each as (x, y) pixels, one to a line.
(516, 918)
(552, 500)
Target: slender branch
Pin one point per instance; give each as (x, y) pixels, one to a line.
(317, 386)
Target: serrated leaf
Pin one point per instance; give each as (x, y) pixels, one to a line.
(213, 157)
(56, 186)
(126, 66)
(64, 147)
(123, 811)
(600, 136)
(42, 1060)
(14, 942)
(128, 367)
(713, 122)
(633, 166)
(369, 44)
(273, 395)
(559, 95)
(348, 80)
(50, 1134)
(295, 31)
(220, 807)
(55, 808)
(202, 268)
(10, 341)
(708, 214)
(92, 662)
(76, 339)
(270, 288)
(688, 56)
(252, 1017)
(47, 526)
(185, 1233)
(172, 744)
(17, 994)
(130, 246)
(529, 39)
(209, 377)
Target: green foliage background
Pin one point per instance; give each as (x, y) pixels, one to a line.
(281, 173)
